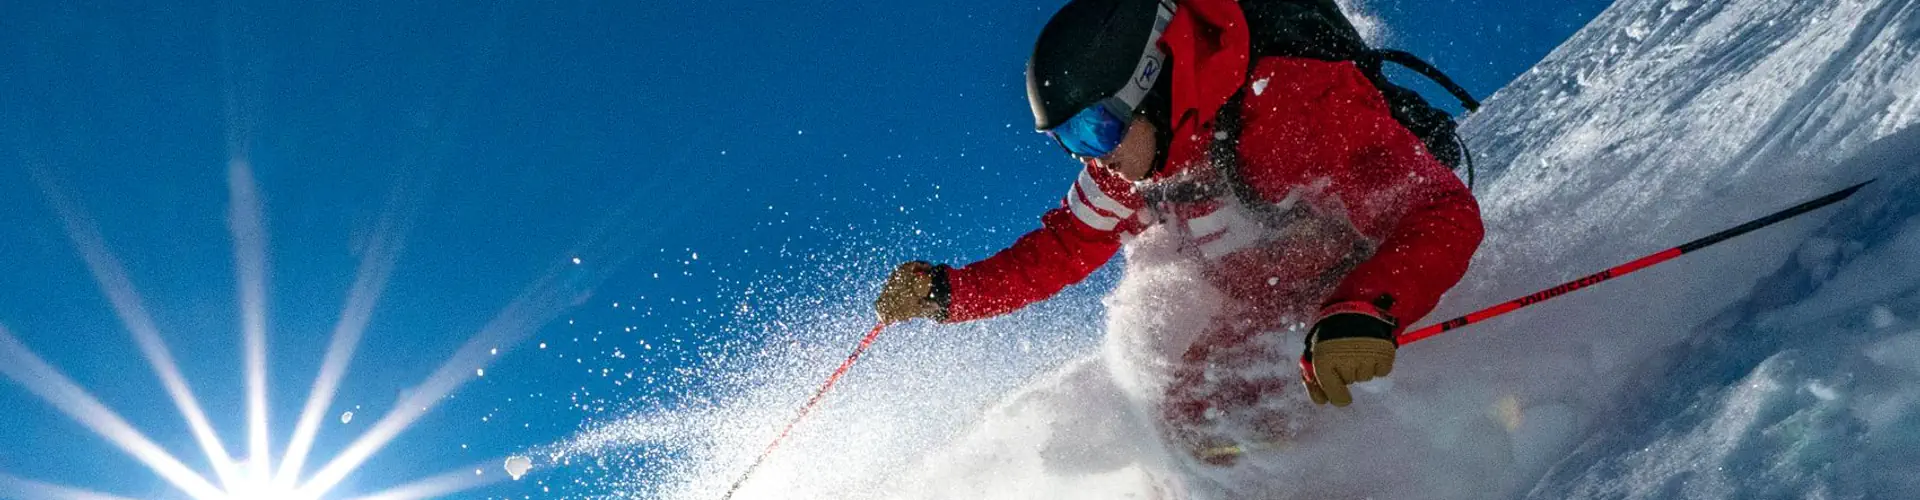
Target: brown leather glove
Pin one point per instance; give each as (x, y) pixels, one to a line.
(915, 290)
(1353, 342)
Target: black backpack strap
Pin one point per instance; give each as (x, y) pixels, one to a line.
(1223, 154)
(1318, 29)
(1455, 147)
(1418, 65)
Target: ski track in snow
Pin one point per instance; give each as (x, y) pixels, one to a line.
(1778, 365)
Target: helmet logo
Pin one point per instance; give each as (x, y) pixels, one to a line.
(1149, 69)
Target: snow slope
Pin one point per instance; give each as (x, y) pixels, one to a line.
(1808, 387)
(1780, 364)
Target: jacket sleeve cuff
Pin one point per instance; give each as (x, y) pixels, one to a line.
(1357, 307)
(1353, 319)
(941, 294)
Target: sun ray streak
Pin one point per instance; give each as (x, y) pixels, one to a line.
(448, 483)
(26, 368)
(376, 266)
(27, 489)
(112, 280)
(540, 303)
(250, 270)
(559, 289)
(246, 222)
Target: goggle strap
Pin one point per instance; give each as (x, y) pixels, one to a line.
(1152, 62)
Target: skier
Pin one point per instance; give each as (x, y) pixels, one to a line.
(1289, 177)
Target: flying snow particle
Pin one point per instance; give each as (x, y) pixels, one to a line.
(543, 345)
(1260, 86)
(517, 466)
(494, 351)
(346, 417)
(576, 261)
(480, 372)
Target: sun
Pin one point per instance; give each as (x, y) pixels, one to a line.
(264, 488)
(283, 473)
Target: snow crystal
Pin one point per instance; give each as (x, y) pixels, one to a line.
(1260, 86)
(517, 466)
(346, 417)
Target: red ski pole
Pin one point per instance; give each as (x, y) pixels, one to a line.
(804, 409)
(1627, 268)
(1594, 279)
(1407, 337)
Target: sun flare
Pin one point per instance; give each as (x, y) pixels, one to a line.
(265, 476)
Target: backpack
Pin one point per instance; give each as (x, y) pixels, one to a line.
(1317, 29)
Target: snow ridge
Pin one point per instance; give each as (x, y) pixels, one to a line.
(1803, 389)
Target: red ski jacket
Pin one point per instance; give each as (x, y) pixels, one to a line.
(1312, 132)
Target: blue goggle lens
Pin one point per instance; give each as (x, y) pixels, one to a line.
(1093, 132)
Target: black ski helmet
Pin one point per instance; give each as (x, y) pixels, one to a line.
(1093, 49)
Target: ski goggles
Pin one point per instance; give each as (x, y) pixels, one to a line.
(1098, 130)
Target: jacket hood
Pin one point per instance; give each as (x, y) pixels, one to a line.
(1209, 44)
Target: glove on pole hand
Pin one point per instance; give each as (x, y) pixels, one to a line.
(1353, 342)
(915, 290)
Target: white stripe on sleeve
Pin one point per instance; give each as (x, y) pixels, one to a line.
(1099, 197)
(1093, 218)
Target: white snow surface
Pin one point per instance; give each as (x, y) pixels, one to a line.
(1783, 364)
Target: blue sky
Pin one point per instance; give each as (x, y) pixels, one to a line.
(791, 145)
